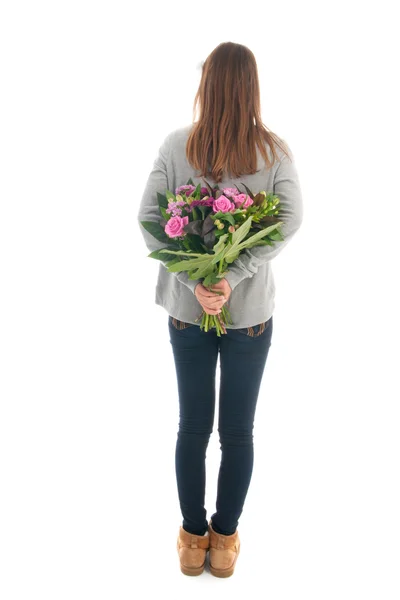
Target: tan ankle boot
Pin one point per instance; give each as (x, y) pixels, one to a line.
(192, 550)
(224, 551)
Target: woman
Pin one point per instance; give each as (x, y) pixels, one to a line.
(228, 145)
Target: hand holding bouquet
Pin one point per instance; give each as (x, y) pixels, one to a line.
(205, 229)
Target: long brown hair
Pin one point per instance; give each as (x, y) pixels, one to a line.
(229, 128)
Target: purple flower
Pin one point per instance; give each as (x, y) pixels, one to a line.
(208, 202)
(173, 207)
(229, 192)
(187, 189)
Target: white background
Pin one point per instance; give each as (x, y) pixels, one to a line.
(89, 410)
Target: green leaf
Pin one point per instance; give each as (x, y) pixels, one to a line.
(242, 231)
(171, 261)
(258, 236)
(229, 217)
(180, 252)
(159, 255)
(277, 236)
(170, 195)
(220, 248)
(259, 243)
(195, 242)
(156, 230)
(218, 257)
(220, 244)
(164, 213)
(156, 254)
(162, 200)
(203, 271)
(201, 266)
(231, 252)
(210, 279)
(186, 244)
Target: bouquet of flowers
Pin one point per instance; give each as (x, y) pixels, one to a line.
(205, 229)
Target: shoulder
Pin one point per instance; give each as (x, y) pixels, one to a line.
(282, 155)
(275, 149)
(284, 152)
(174, 144)
(177, 137)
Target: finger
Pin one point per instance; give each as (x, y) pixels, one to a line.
(207, 294)
(214, 302)
(215, 287)
(211, 310)
(210, 296)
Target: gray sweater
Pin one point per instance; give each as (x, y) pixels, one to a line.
(252, 300)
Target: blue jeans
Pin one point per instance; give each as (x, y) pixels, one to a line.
(243, 354)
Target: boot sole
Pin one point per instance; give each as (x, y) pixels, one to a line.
(225, 572)
(192, 570)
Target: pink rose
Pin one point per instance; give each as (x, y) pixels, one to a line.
(223, 204)
(239, 198)
(175, 225)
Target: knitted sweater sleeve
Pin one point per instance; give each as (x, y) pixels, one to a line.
(287, 187)
(149, 210)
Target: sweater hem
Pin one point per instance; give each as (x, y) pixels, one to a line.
(180, 317)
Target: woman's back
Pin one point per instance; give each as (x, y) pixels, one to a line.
(252, 298)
